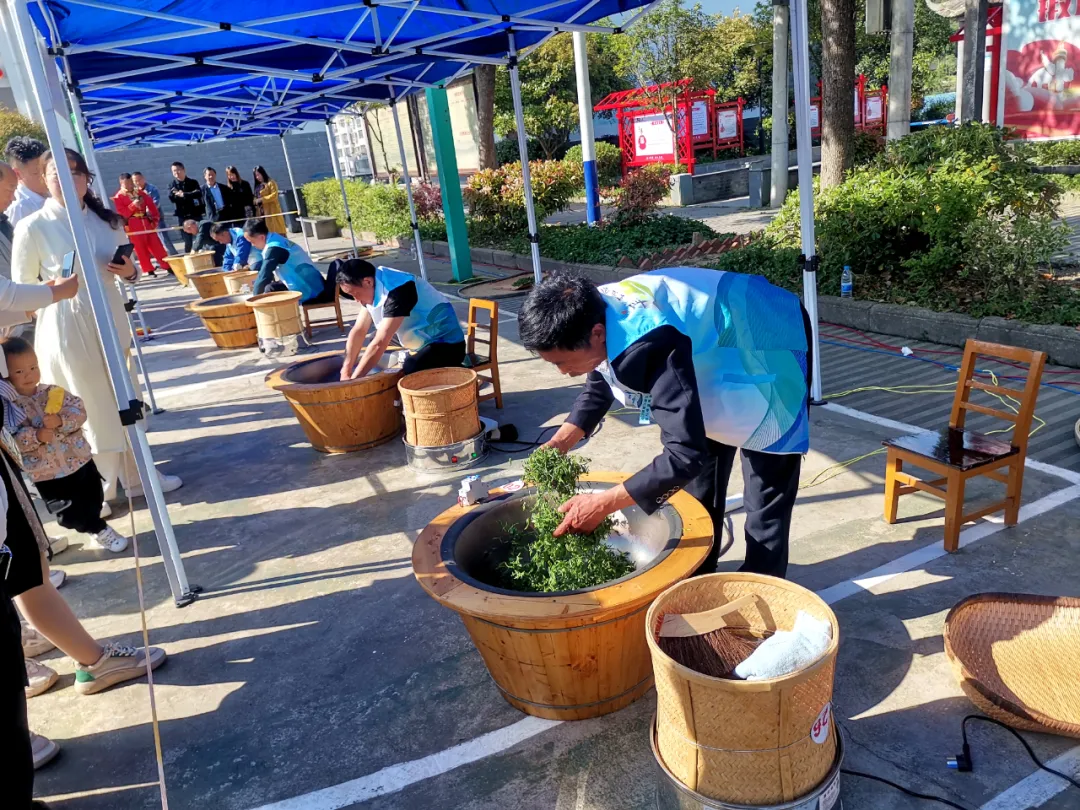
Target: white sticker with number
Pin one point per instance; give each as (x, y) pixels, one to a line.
(828, 797)
(819, 732)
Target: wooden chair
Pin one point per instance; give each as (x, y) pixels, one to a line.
(957, 454)
(488, 360)
(336, 304)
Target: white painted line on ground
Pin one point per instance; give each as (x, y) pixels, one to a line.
(182, 389)
(397, 777)
(1038, 788)
(892, 424)
(164, 326)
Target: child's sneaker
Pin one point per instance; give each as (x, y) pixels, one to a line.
(117, 664)
(109, 539)
(33, 643)
(41, 678)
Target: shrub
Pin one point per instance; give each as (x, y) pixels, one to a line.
(498, 195)
(638, 195)
(382, 209)
(608, 161)
(428, 201)
(506, 151)
(1055, 153)
(14, 123)
(868, 146)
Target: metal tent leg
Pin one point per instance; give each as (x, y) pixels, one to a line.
(408, 192)
(128, 405)
(523, 152)
(296, 193)
(585, 124)
(341, 181)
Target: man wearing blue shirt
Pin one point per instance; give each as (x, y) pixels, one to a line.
(288, 262)
(239, 252)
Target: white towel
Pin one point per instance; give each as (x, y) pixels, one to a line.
(787, 651)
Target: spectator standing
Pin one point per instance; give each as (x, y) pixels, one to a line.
(221, 203)
(186, 196)
(244, 196)
(155, 195)
(142, 218)
(267, 203)
(25, 154)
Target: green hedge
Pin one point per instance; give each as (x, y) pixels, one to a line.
(382, 209)
(608, 161)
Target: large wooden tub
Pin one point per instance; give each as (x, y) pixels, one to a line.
(339, 417)
(178, 265)
(209, 283)
(236, 280)
(229, 321)
(201, 260)
(569, 655)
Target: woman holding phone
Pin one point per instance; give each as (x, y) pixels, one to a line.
(66, 339)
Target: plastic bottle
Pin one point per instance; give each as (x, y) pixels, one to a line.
(847, 282)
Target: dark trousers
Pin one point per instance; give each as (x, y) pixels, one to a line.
(84, 491)
(435, 355)
(770, 484)
(189, 239)
(17, 762)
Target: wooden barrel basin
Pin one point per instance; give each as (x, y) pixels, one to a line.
(228, 320)
(202, 260)
(277, 314)
(209, 283)
(569, 655)
(441, 406)
(339, 417)
(178, 265)
(236, 279)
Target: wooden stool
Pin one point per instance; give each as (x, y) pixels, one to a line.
(488, 361)
(958, 455)
(336, 304)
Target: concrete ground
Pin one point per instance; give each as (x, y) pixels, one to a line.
(314, 673)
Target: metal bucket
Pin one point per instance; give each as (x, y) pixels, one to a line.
(671, 794)
(458, 456)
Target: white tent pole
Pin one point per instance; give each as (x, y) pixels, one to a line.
(296, 192)
(84, 139)
(133, 304)
(585, 125)
(800, 63)
(523, 153)
(128, 405)
(341, 181)
(408, 191)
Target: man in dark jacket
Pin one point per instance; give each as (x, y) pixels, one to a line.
(221, 203)
(185, 194)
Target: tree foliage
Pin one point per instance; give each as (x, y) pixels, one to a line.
(13, 123)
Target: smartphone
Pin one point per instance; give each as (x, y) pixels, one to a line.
(122, 252)
(69, 264)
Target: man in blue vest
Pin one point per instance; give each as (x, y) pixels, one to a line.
(239, 252)
(719, 361)
(290, 262)
(403, 305)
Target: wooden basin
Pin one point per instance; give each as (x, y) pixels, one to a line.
(178, 265)
(228, 320)
(236, 279)
(202, 260)
(339, 417)
(209, 283)
(569, 655)
(277, 314)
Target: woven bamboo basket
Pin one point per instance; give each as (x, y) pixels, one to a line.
(569, 655)
(339, 417)
(203, 260)
(277, 314)
(236, 279)
(228, 320)
(209, 283)
(440, 406)
(745, 742)
(179, 267)
(1017, 657)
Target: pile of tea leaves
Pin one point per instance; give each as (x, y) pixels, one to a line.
(540, 562)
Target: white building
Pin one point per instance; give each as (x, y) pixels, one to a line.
(351, 142)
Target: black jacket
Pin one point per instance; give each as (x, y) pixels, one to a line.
(190, 206)
(244, 197)
(231, 209)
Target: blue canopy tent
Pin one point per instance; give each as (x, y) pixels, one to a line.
(150, 71)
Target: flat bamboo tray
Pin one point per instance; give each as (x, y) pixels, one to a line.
(1017, 657)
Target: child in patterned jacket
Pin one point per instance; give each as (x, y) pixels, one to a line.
(55, 454)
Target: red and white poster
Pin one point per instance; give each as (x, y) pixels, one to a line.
(653, 136)
(1041, 87)
(874, 110)
(727, 125)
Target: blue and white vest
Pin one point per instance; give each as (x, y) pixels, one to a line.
(298, 273)
(749, 348)
(232, 249)
(432, 319)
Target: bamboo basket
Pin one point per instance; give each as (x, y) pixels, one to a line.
(202, 260)
(745, 742)
(228, 320)
(339, 417)
(178, 264)
(209, 283)
(440, 405)
(1017, 657)
(563, 656)
(236, 279)
(277, 314)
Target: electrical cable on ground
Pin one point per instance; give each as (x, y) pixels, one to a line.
(902, 789)
(963, 762)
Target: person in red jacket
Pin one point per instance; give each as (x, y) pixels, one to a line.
(142, 218)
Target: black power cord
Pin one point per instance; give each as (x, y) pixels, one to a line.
(506, 445)
(963, 762)
(903, 789)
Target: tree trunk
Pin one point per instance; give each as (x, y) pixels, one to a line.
(837, 89)
(484, 76)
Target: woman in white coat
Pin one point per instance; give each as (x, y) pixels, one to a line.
(66, 339)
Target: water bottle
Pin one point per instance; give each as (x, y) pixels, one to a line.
(412, 250)
(847, 281)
